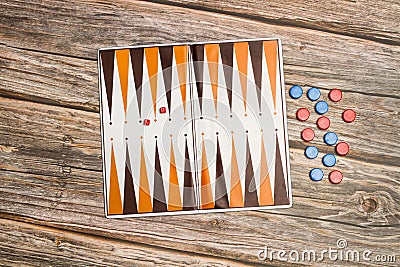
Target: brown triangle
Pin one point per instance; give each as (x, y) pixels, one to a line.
(107, 61)
(130, 206)
(280, 194)
(189, 201)
(256, 52)
(221, 196)
(137, 68)
(198, 65)
(227, 61)
(159, 202)
(250, 192)
(166, 54)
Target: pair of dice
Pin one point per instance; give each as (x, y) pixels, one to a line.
(162, 110)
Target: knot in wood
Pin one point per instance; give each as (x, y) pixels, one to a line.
(369, 205)
(57, 242)
(215, 222)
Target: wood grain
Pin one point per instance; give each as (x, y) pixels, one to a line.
(237, 235)
(40, 245)
(61, 187)
(49, 79)
(311, 57)
(51, 194)
(360, 19)
(370, 137)
(62, 137)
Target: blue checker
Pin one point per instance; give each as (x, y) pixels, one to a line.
(321, 107)
(313, 93)
(311, 152)
(316, 174)
(330, 138)
(329, 160)
(295, 92)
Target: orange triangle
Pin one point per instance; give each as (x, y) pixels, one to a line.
(271, 53)
(181, 54)
(174, 194)
(123, 67)
(152, 69)
(212, 52)
(207, 201)
(265, 185)
(114, 202)
(236, 195)
(144, 190)
(242, 56)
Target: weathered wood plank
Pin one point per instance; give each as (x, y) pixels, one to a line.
(373, 137)
(311, 223)
(23, 244)
(49, 79)
(53, 139)
(362, 19)
(60, 137)
(311, 57)
(50, 156)
(72, 198)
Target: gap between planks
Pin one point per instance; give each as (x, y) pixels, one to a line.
(24, 222)
(279, 212)
(383, 53)
(270, 21)
(47, 101)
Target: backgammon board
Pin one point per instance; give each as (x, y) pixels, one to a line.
(193, 128)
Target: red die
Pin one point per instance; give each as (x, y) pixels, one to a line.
(146, 122)
(163, 110)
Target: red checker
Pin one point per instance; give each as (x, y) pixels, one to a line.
(146, 122)
(163, 110)
(323, 123)
(349, 115)
(342, 148)
(302, 114)
(335, 177)
(335, 95)
(307, 134)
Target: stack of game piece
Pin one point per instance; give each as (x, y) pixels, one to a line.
(323, 123)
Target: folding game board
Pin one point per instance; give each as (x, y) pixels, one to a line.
(194, 127)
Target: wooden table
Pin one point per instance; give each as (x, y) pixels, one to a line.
(51, 208)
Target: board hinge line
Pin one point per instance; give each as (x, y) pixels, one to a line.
(194, 138)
